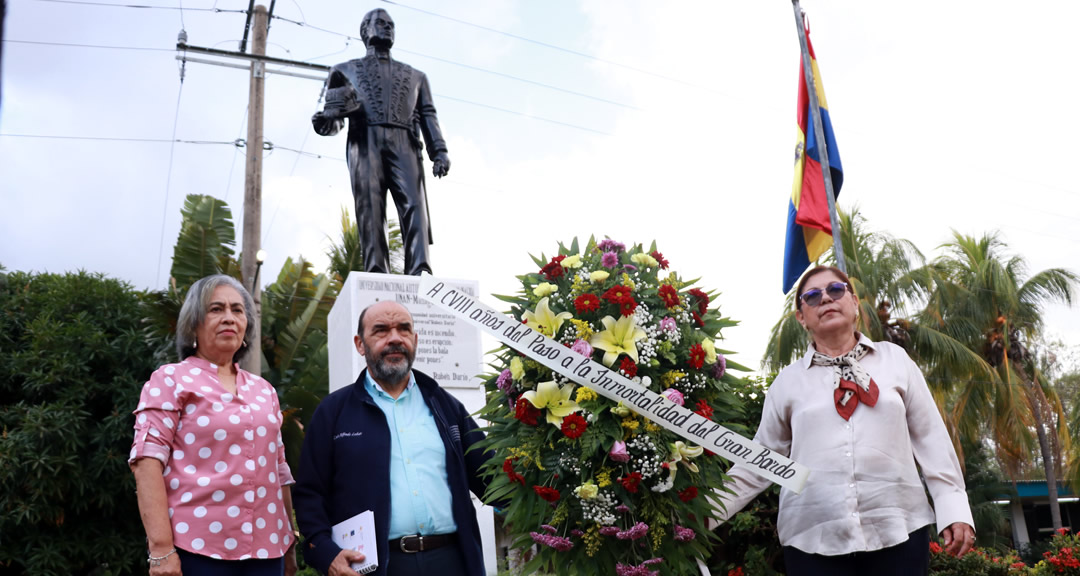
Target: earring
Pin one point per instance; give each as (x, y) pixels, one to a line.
(244, 344)
(195, 345)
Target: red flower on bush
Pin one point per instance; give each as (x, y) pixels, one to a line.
(549, 494)
(702, 300)
(735, 572)
(935, 548)
(573, 426)
(553, 269)
(669, 295)
(688, 494)
(659, 259)
(526, 412)
(703, 408)
(627, 366)
(631, 482)
(697, 356)
(508, 467)
(587, 302)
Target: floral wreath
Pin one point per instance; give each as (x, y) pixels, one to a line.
(590, 482)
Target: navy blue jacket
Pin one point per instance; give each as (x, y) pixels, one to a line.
(345, 470)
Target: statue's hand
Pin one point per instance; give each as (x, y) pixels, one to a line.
(442, 165)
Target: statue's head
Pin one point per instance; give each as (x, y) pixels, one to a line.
(377, 29)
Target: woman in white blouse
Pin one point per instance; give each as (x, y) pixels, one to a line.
(860, 416)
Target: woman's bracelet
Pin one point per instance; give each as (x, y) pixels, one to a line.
(156, 561)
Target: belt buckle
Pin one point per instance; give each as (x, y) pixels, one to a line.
(419, 537)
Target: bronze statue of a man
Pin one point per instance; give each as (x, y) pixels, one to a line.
(388, 104)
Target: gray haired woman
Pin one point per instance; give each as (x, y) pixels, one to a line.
(210, 470)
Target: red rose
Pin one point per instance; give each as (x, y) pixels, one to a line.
(688, 494)
(702, 300)
(573, 426)
(627, 307)
(704, 409)
(659, 259)
(586, 303)
(627, 366)
(697, 356)
(549, 494)
(553, 269)
(526, 412)
(508, 467)
(669, 295)
(631, 482)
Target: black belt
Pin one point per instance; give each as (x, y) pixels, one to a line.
(419, 543)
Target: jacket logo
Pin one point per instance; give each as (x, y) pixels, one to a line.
(455, 434)
(347, 435)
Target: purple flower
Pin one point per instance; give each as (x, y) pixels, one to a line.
(618, 452)
(504, 380)
(548, 528)
(720, 367)
(608, 530)
(639, 570)
(674, 395)
(609, 260)
(622, 508)
(557, 542)
(684, 534)
(582, 347)
(609, 245)
(629, 267)
(639, 530)
(668, 325)
(576, 533)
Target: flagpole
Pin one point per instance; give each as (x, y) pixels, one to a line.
(823, 152)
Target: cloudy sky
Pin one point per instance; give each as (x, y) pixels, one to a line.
(671, 121)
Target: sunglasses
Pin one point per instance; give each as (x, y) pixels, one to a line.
(835, 290)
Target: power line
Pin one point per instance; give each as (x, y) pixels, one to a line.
(547, 45)
(66, 44)
(525, 115)
(168, 176)
(117, 139)
(236, 151)
(143, 6)
(349, 37)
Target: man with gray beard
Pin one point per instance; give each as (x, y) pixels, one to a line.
(397, 444)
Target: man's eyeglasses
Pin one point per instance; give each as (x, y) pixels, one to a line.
(835, 290)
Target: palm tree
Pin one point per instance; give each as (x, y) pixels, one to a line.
(978, 296)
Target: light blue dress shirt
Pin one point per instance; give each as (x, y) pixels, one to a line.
(420, 500)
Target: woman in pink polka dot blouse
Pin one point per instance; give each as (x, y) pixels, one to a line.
(210, 470)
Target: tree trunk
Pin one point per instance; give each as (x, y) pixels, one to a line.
(1048, 458)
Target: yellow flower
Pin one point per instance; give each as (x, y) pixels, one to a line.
(680, 452)
(620, 410)
(555, 398)
(517, 369)
(626, 281)
(630, 423)
(545, 321)
(545, 289)
(603, 477)
(584, 395)
(651, 427)
(620, 337)
(587, 491)
(584, 331)
(710, 351)
(671, 377)
(571, 261)
(599, 276)
(644, 260)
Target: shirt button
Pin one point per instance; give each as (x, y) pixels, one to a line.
(847, 426)
(417, 493)
(852, 485)
(408, 461)
(847, 453)
(854, 514)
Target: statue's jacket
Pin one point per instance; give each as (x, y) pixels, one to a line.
(382, 91)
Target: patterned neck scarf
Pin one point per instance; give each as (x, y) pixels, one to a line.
(851, 382)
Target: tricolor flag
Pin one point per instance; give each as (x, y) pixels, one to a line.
(809, 232)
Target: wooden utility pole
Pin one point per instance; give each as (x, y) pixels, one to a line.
(253, 186)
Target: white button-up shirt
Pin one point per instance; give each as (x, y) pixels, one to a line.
(864, 491)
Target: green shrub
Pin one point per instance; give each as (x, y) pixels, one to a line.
(72, 362)
(977, 562)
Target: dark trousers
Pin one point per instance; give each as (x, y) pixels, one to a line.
(911, 558)
(384, 158)
(199, 565)
(445, 561)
